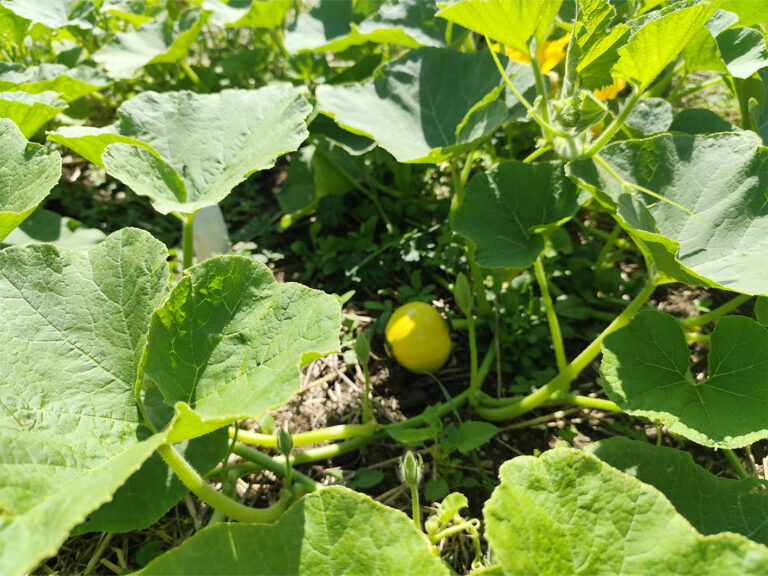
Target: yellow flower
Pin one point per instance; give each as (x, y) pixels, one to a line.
(549, 54)
(611, 91)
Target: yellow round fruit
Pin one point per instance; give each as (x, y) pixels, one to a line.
(419, 337)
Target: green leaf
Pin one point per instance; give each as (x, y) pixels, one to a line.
(331, 532)
(658, 38)
(248, 13)
(720, 178)
(69, 83)
(506, 211)
(30, 111)
(28, 173)
(315, 172)
(229, 342)
(157, 41)
(431, 105)
(761, 310)
(598, 42)
(354, 144)
(13, 27)
(331, 25)
(699, 121)
(710, 503)
(651, 116)
(472, 435)
(742, 51)
(137, 12)
(748, 11)
(537, 519)
(645, 371)
(73, 327)
(51, 13)
(46, 227)
(161, 146)
(512, 22)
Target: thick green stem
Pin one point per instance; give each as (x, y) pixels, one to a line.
(340, 432)
(188, 238)
(536, 153)
(541, 88)
(586, 401)
(554, 325)
(738, 467)
(274, 465)
(456, 529)
(217, 500)
(614, 126)
(474, 384)
(190, 73)
(561, 382)
(713, 315)
(609, 243)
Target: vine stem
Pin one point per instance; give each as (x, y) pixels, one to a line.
(713, 315)
(541, 88)
(561, 382)
(188, 239)
(738, 467)
(275, 465)
(340, 432)
(586, 401)
(192, 480)
(554, 325)
(614, 126)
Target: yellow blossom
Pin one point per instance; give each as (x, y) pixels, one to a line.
(549, 54)
(611, 91)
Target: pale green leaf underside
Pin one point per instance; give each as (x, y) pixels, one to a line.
(186, 151)
(329, 26)
(30, 111)
(645, 370)
(155, 42)
(333, 532)
(431, 104)
(230, 340)
(721, 178)
(46, 227)
(69, 83)
(505, 210)
(568, 513)
(247, 13)
(27, 174)
(73, 327)
(712, 504)
(658, 40)
(51, 13)
(511, 22)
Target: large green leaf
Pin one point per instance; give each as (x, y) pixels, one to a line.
(597, 41)
(332, 532)
(30, 111)
(568, 513)
(720, 178)
(69, 83)
(658, 38)
(710, 503)
(331, 25)
(511, 22)
(27, 173)
(645, 370)
(430, 105)
(13, 27)
(743, 51)
(51, 13)
(46, 227)
(230, 340)
(748, 11)
(73, 327)
(506, 211)
(157, 41)
(187, 151)
(248, 13)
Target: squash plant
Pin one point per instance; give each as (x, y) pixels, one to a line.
(120, 388)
